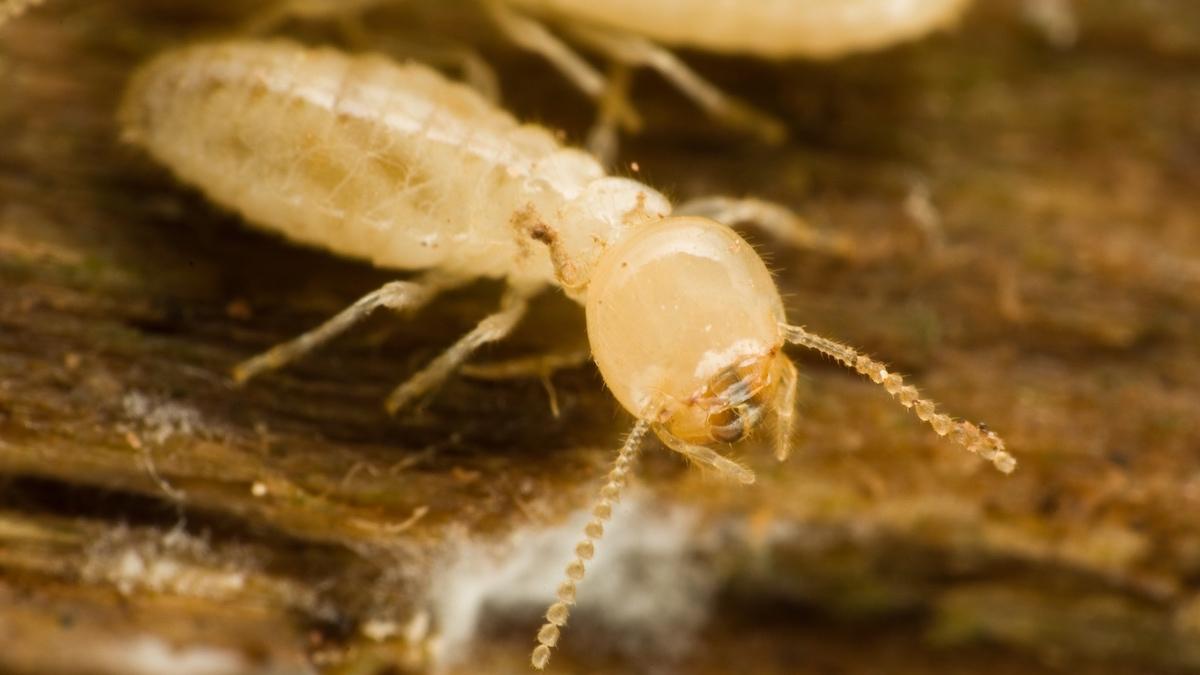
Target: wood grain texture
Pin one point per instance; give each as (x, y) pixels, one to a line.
(1032, 232)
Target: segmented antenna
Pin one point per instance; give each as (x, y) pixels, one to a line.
(556, 615)
(984, 443)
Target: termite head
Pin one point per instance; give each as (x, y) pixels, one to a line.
(687, 328)
(684, 323)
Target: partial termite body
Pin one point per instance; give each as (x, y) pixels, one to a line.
(398, 166)
(774, 29)
(638, 33)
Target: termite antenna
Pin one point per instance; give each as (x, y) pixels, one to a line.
(556, 615)
(973, 437)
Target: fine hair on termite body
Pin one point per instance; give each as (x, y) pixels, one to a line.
(398, 166)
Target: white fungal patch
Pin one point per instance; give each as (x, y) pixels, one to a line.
(153, 423)
(372, 159)
(174, 563)
(150, 655)
(159, 421)
(651, 583)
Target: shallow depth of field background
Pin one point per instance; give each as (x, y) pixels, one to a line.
(1024, 193)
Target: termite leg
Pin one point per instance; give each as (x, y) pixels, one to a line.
(602, 137)
(266, 19)
(706, 456)
(557, 614)
(397, 296)
(541, 366)
(347, 13)
(528, 366)
(637, 51)
(535, 37)
(975, 438)
(775, 219)
(493, 327)
(349, 17)
(785, 407)
(475, 71)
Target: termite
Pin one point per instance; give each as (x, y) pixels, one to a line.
(396, 165)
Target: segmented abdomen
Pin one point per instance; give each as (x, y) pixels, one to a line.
(389, 163)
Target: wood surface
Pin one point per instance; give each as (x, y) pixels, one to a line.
(1026, 209)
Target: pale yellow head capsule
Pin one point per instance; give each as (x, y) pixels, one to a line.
(685, 322)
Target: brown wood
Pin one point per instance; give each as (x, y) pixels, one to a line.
(1030, 223)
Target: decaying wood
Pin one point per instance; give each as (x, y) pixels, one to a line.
(1028, 210)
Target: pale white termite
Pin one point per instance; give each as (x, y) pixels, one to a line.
(396, 165)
